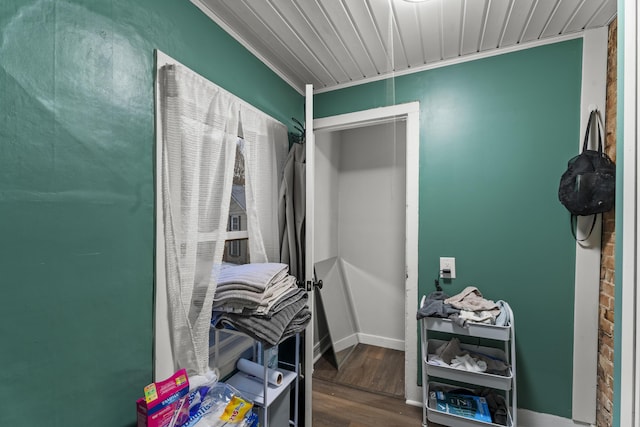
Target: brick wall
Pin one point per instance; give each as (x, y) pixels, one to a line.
(607, 269)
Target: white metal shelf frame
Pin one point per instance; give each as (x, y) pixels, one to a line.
(269, 394)
(506, 334)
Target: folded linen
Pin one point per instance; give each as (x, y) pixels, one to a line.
(278, 288)
(283, 301)
(297, 324)
(259, 298)
(229, 300)
(256, 276)
(269, 331)
(266, 308)
(238, 295)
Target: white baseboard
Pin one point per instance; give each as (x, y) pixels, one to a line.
(345, 343)
(413, 403)
(325, 343)
(379, 341)
(527, 418)
(320, 347)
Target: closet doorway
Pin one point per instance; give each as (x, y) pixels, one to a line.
(365, 234)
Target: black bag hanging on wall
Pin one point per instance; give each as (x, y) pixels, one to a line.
(588, 186)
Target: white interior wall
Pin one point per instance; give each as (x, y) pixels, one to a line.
(371, 226)
(337, 305)
(360, 218)
(326, 194)
(325, 219)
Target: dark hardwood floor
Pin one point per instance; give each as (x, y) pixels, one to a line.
(369, 368)
(368, 391)
(336, 405)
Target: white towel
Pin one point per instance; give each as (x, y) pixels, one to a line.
(256, 276)
(254, 299)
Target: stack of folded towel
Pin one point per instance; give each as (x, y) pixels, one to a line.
(261, 300)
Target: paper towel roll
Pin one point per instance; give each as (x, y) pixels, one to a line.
(248, 367)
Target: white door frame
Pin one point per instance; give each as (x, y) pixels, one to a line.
(588, 252)
(629, 326)
(163, 360)
(409, 112)
(309, 244)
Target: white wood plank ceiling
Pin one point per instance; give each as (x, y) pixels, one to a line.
(337, 43)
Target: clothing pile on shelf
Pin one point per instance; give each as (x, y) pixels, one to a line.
(467, 306)
(261, 300)
(451, 354)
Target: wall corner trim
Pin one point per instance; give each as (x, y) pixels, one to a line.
(587, 272)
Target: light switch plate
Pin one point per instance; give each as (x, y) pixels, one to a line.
(447, 263)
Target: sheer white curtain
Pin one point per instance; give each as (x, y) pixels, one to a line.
(265, 150)
(200, 123)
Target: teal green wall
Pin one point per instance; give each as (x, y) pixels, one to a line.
(77, 195)
(495, 137)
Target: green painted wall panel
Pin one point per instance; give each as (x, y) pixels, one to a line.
(77, 194)
(495, 136)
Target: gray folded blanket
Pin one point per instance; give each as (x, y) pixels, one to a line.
(269, 331)
(298, 324)
(285, 300)
(248, 308)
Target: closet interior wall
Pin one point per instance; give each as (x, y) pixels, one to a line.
(360, 219)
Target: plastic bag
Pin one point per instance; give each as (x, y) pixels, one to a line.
(217, 405)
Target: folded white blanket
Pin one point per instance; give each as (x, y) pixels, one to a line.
(256, 276)
(276, 294)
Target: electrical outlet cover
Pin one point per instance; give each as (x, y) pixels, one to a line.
(448, 263)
